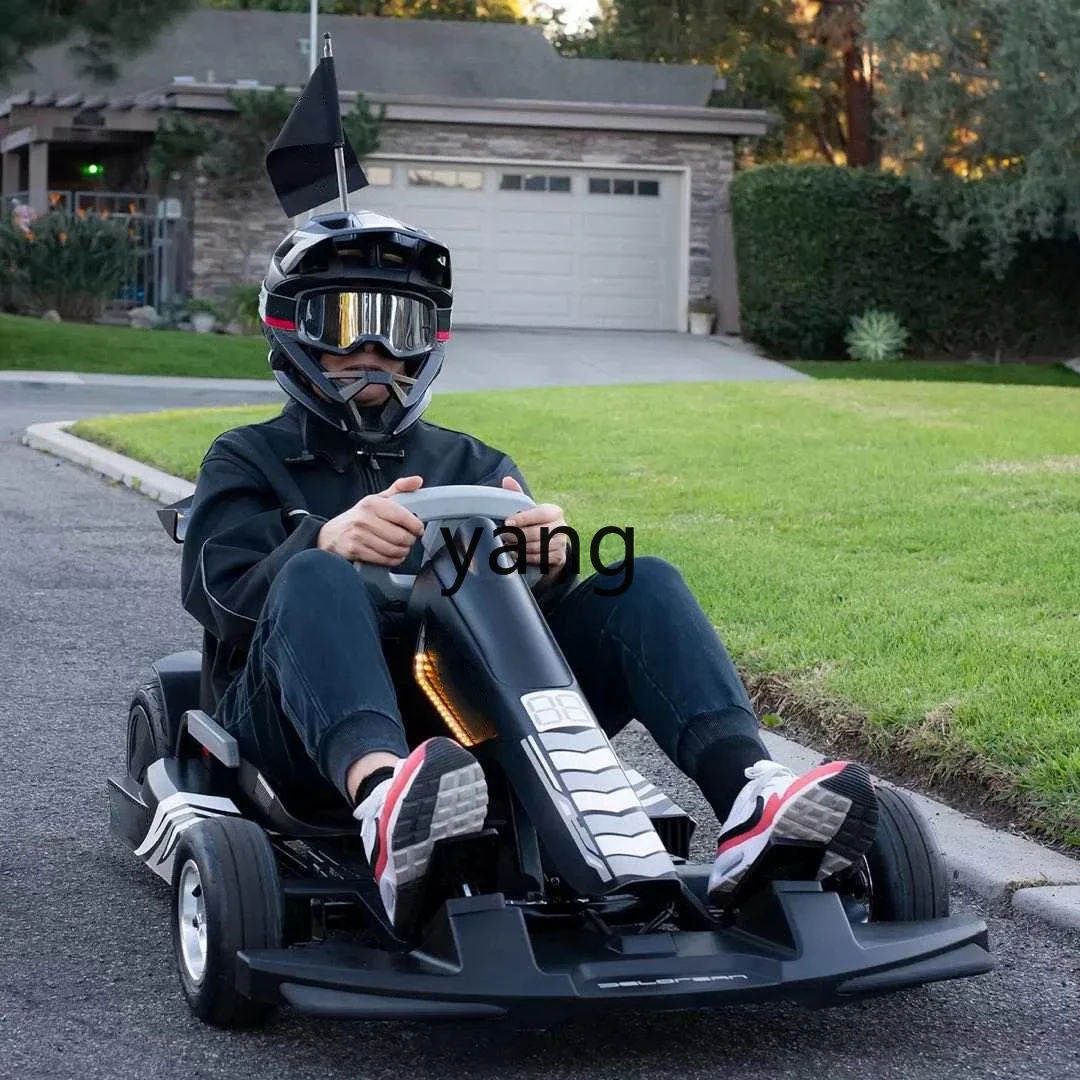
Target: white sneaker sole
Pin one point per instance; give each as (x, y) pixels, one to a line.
(444, 796)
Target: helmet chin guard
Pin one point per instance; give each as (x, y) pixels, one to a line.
(332, 396)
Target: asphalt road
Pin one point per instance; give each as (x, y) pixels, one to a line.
(88, 585)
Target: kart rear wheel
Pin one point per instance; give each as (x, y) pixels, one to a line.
(908, 878)
(226, 898)
(149, 735)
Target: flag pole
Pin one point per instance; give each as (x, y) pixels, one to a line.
(313, 36)
(339, 142)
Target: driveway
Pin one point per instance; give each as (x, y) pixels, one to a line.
(479, 359)
(490, 359)
(88, 598)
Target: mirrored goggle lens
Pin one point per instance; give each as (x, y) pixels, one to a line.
(342, 320)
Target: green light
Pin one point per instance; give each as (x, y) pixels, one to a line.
(92, 169)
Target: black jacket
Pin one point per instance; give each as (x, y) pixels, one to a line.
(263, 493)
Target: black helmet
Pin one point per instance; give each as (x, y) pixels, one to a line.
(342, 279)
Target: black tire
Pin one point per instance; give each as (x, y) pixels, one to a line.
(908, 877)
(149, 732)
(242, 904)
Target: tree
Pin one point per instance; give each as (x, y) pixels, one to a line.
(465, 10)
(100, 30)
(981, 106)
(837, 26)
(804, 60)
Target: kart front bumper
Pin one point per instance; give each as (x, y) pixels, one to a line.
(482, 963)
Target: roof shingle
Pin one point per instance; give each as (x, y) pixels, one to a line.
(421, 57)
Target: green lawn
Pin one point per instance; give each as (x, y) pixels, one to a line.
(35, 345)
(940, 371)
(909, 552)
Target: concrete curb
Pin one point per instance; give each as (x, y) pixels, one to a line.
(261, 387)
(54, 439)
(993, 864)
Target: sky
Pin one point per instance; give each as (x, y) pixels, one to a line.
(578, 12)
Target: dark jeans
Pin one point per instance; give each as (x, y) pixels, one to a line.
(316, 692)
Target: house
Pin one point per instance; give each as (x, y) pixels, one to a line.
(572, 192)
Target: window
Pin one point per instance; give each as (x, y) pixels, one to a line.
(379, 175)
(603, 185)
(447, 178)
(534, 182)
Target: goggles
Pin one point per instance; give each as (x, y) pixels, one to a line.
(339, 322)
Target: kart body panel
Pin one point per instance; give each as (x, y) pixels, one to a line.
(578, 898)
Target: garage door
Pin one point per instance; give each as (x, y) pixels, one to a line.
(545, 247)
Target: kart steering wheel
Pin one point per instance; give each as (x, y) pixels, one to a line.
(444, 507)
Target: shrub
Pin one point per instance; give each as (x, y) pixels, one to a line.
(241, 305)
(876, 337)
(816, 243)
(72, 263)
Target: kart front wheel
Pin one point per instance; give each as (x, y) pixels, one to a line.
(908, 878)
(226, 898)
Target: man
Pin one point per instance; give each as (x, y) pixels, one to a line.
(298, 654)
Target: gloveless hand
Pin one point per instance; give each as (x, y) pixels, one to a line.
(376, 530)
(531, 521)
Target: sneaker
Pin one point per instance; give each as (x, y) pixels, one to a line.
(438, 791)
(833, 805)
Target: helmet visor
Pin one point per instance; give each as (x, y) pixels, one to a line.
(339, 322)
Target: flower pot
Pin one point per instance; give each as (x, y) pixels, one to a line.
(701, 323)
(203, 321)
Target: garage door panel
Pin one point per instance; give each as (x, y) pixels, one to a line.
(611, 249)
(469, 305)
(643, 285)
(536, 262)
(556, 305)
(626, 268)
(532, 223)
(507, 240)
(625, 225)
(441, 221)
(550, 259)
(546, 284)
(467, 261)
(622, 311)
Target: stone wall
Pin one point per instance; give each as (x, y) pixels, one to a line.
(228, 250)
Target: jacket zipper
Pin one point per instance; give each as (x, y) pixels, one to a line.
(368, 461)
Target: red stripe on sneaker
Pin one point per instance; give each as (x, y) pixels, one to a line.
(772, 807)
(401, 782)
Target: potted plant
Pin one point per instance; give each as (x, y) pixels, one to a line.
(203, 315)
(702, 313)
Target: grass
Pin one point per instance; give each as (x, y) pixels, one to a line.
(35, 345)
(1014, 374)
(903, 555)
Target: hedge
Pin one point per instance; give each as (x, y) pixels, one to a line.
(817, 244)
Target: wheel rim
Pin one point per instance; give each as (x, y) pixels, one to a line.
(191, 915)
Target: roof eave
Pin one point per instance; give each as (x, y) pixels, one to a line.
(597, 115)
(512, 112)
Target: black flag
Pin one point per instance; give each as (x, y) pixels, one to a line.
(301, 161)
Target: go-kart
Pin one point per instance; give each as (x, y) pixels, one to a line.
(579, 895)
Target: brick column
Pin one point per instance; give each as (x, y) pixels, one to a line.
(725, 270)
